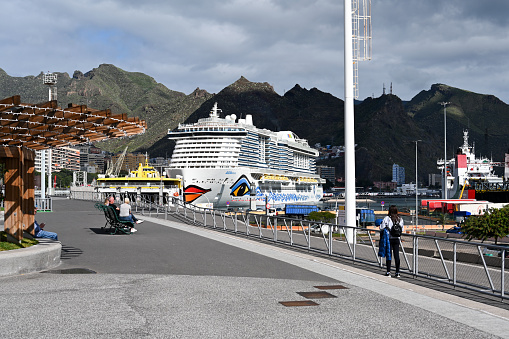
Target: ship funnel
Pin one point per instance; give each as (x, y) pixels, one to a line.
(249, 119)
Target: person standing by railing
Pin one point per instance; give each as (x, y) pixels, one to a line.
(391, 229)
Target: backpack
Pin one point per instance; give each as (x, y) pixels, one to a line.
(396, 230)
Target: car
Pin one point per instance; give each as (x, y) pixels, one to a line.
(506, 251)
(455, 229)
(315, 228)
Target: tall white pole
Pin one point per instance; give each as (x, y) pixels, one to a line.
(349, 126)
(444, 190)
(445, 151)
(416, 188)
(43, 175)
(50, 182)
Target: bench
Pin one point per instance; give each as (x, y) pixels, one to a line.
(113, 222)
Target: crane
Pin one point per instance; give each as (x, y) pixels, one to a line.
(114, 168)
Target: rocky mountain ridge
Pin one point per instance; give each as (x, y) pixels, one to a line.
(385, 127)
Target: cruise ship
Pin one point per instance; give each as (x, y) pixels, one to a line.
(226, 162)
(466, 169)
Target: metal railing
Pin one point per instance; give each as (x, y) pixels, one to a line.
(472, 265)
(45, 204)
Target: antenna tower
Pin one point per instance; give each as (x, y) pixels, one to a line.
(50, 79)
(361, 37)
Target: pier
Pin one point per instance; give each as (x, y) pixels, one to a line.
(172, 279)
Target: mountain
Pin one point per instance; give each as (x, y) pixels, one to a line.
(385, 127)
(485, 116)
(110, 87)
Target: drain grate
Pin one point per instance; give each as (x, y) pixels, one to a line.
(316, 295)
(71, 271)
(331, 287)
(298, 303)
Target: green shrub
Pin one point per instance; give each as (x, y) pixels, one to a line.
(492, 224)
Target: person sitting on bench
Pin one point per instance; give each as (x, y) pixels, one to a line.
(117, 210)
(125, 214)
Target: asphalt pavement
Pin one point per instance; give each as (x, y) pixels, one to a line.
(171, 280)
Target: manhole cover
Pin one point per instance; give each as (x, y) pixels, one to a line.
(71, 271)
(298, 303)
(316, 295)
(331, 287)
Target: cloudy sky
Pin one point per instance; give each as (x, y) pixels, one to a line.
(186, 44)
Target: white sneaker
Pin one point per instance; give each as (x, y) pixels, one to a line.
(139, 221)
(133, 230)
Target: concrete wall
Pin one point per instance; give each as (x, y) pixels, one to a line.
(42, 256)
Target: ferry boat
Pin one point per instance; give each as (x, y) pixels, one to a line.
(465, 169)
(228, 162)
(142, 181)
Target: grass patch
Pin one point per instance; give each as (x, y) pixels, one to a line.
(6, 246)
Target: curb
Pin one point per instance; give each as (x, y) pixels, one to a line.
(44, 255)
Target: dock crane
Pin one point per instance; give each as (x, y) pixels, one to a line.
(114, 169)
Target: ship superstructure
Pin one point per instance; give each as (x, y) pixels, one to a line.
(227, 162)
(145, 180)
(467, 169)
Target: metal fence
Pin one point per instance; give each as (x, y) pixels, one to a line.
(45, 204)
(471, 265)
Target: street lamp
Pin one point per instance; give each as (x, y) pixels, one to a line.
(444, 189)
(416, 188)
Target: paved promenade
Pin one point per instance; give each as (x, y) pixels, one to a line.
(171, 280)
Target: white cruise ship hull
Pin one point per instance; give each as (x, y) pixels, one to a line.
(225, 162)
(247, 188)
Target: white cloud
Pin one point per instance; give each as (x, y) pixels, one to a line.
(209, 44)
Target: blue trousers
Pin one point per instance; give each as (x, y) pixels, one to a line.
(130, 218)
(46, 234)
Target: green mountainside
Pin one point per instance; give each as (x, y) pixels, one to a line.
(385, 127)
(111, 87)
(485, 116)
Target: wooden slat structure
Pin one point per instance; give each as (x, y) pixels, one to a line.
(25, 128)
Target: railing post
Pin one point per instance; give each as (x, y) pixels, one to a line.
(235, 222)
(291, 232)
(416, 255)
(454, 272)
(354, 231)
(309, 237)
(330, 240)
(275, 228)
(502, 274)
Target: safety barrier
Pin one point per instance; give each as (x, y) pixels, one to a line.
(43, 204)
(471, 265)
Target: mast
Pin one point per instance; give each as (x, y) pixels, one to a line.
(354, 16)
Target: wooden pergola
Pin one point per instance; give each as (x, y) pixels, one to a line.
(25, 128)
